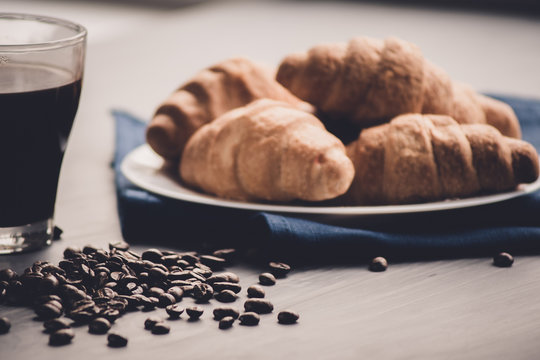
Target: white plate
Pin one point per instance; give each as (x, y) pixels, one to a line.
(145, 168)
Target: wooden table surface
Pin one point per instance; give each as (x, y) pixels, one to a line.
(452, 309)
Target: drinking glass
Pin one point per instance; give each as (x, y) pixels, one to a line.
(41, 70)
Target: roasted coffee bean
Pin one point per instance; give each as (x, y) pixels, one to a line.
(213, 262)
(120, 245)
(46, 298)
(48, 284)
(89, 249)
(220, 286)
(279, 270)
(111, 314)
(157, 274)
(99, 326)
(203, 271)
(190, 258)
(165, 300)
(174, 311)
(287, 317)
(223, 277)
(226, 322)
(378, 264)
(194, 312)
(150, 322)
(503, 259)
(7, 275)
(267, 279)
(5, 325)
(153, 255)
(178, 275)
(61, 337)
(221, 312)
(72, 252)
(170, 260)
(55, 325)
(155, 292)
(255, 291)
(202, 292)
(116, 340)
(249, 319)
(160, 328)
(57, 233)
(177, 292)
(259, 306)
(226, 296)
(49, 310)
(151, 303)
(228, 254)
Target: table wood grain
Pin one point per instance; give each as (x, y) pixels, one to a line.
(451, 309)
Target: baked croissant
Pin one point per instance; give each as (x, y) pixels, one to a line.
(419, 158)
(370, 81)
(212, 92)
(267, 150)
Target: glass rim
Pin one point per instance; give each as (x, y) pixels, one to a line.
(79, 35)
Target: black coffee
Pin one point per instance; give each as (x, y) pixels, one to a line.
(38, 105)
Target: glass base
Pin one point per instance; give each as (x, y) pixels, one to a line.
(26, 237)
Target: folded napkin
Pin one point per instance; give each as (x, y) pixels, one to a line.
(512, 225)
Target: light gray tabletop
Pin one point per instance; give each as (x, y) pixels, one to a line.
(452, 309)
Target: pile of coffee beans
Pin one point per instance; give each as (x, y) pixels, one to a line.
(95, 287)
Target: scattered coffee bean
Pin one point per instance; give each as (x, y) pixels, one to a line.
(255, 291)
(153, 255)
(226, 296)
(202, 292)
(5, 325)
(226, 322)
(150, 322)
(279, 270)
(267, 279)
(55, 325)
(249, 319)
(161, 329)
(194, 312)
(223, 277)
(174, 311)
(228, 254)
(7, 275)
(99, 326)
(177, 292)
(224, 311)
(378, 264)
(287, 317)
(116, 340)
(213, 262)
(223, 285)
(259, 306)
(48, 311)
(120, 245)
(165, 300)
(61, 337)
(503, 259)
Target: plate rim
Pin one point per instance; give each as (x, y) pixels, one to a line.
(130, 162)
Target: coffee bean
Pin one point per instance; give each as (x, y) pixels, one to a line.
(226, 322)
(48, 310)
(287, 317)
(150, 303)
(165, 300)
(279, 270)
(5, 325)
(202, 292)
(249, 319)
(158, 274)
(503, 259)
(48, 284)
(177, 292)
(224, 311)
(267, 279)
(226, 296)
(150, 322)
(194, 312)
(174, 311)
(72, 252)
(120, 245)
(57, 233)
(255, 291)
(99, 326)
(228, 254)
(116, 340)
(55, 325)
(213, 262)
(161, 329)
(220, 286)
(61, 337)
(7, 275)
(153, 255)
(259, 306)
(378, 264)
(223, 277)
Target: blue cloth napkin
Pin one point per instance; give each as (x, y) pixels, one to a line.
(512, 225)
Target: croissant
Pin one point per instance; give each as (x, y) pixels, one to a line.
(370, 81)
(267, 150)
(212, 92)
(419, 158)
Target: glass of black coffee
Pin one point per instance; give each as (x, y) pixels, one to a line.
(41, 70)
